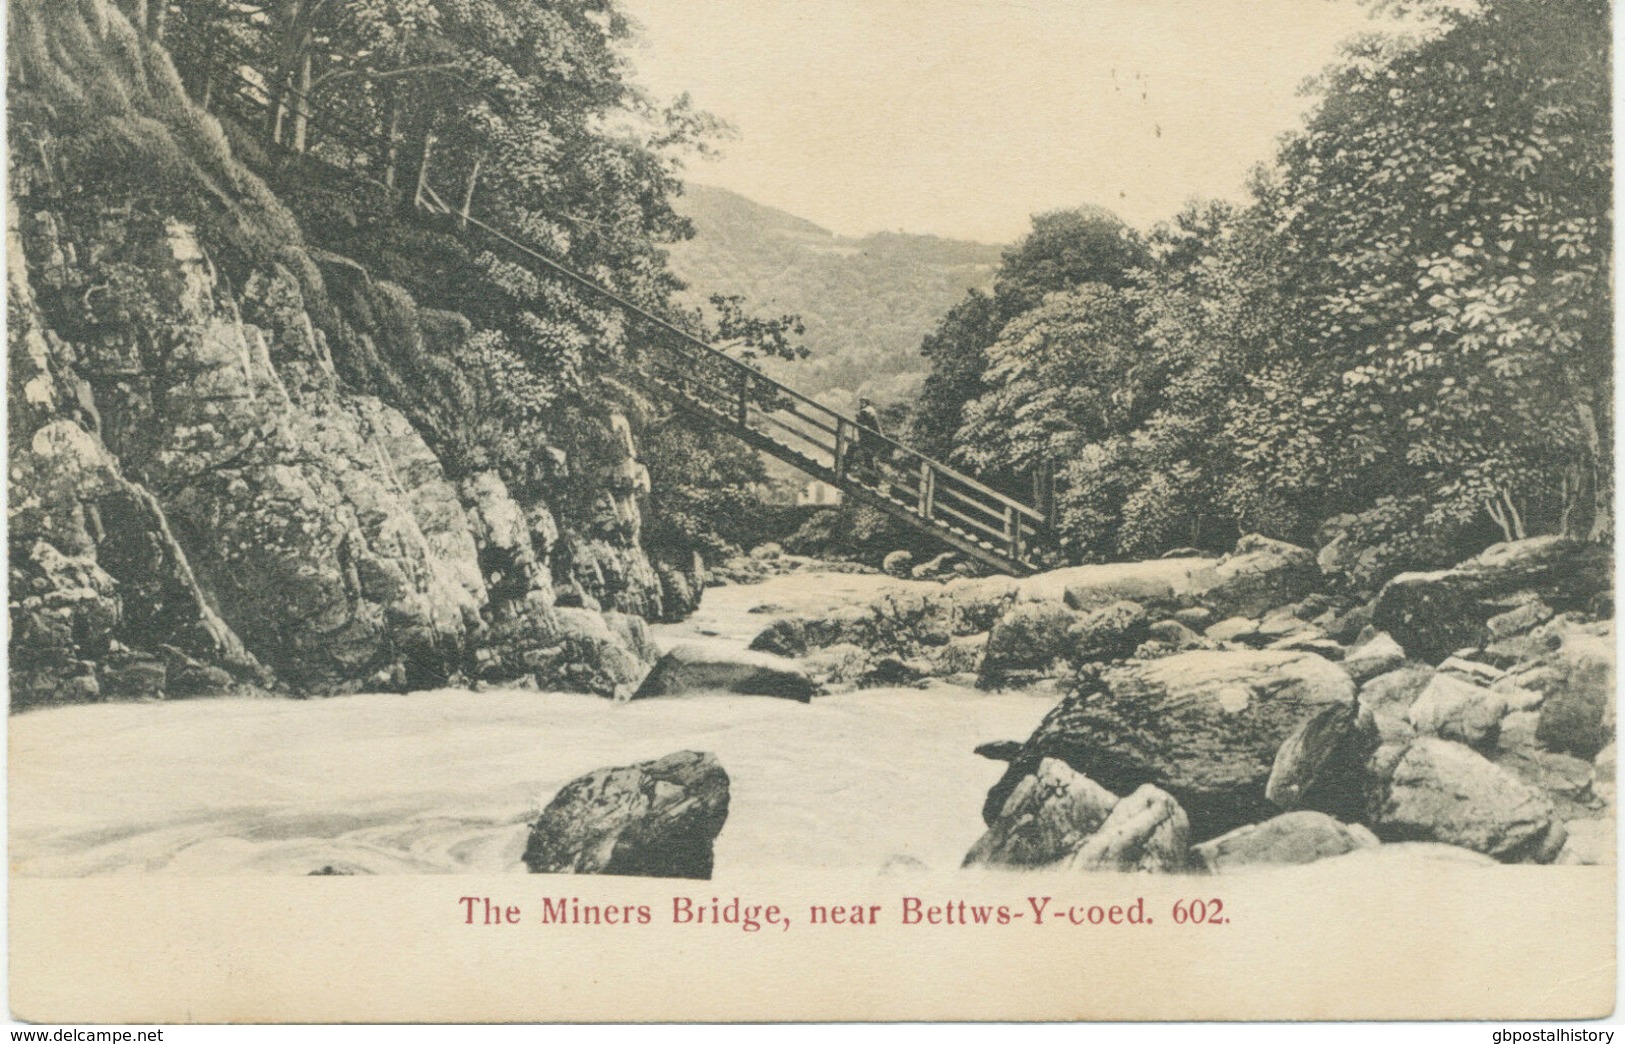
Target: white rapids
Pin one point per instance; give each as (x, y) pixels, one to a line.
(447, 781)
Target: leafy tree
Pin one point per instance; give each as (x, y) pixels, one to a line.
(1064, 250)
(704, 489)
(1402, 343)
(521, 114)
(1447, 226)
(1063, 374)
(954, 352)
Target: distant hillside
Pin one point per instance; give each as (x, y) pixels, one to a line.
(866, 302)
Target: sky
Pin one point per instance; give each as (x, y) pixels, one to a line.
(963, 117)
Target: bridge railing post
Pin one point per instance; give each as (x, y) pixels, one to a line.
(843, 443)
(928, 489)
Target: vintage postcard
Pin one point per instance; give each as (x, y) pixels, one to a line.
(853, 510)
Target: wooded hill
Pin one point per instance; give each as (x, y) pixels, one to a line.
(864, 303)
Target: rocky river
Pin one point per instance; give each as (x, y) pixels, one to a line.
(1177, 715)
(448, 780)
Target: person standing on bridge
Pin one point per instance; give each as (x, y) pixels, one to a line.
(871, 442)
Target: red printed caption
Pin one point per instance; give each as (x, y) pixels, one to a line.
(909, 911)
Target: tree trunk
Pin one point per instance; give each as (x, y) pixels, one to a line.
(423, 168)
(392, 153)
(301, 104)
(159, 17)
(274, 115)
(468, 192)
(294, 37)
(1599, 527)
(1497, 513)
(1518, 528)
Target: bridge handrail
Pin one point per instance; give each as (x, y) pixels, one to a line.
(1014, 512)
(751, 373)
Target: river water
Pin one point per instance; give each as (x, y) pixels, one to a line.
(447, 781)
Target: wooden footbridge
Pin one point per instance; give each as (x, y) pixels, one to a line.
(962, 512)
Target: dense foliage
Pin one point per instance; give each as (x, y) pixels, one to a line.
(1065, 249)
(1402, 344)
(523, 115)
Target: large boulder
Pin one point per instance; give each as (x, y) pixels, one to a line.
(1146, 831)
(1589, 842)
(1389, 697)
(1028, 641)
(1111, 632)
(715, 666)
(1031, 638)
(1057, 815)
(1175, 636)
(1564, 778)
(1047, 817)
(1377, 655)
(1163, 585)
(1204, 726)
(1522, 618)
(1444, 791)
(1238, 629)
(1260, 575)
(1290, 838)
(653, 819)
(1578, 714)
(1321, 765)
(1435, 613)
(1458, 710)
(786, 637)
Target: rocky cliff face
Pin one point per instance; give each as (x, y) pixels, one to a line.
(201, 496)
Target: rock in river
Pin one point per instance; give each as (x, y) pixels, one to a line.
(653, 819)
(1294, 837)
(1321, 765)
(1434, 614)
(1147, 831)
(1058, 815)
(1261, 574)
(720, 667)
(1443, 791)
(1458, 710)
(1373, 658)
(1578, 713)
(1204, 726)
(1047, 817)
(1033, 636)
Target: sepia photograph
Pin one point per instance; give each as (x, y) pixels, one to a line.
(852, 510)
